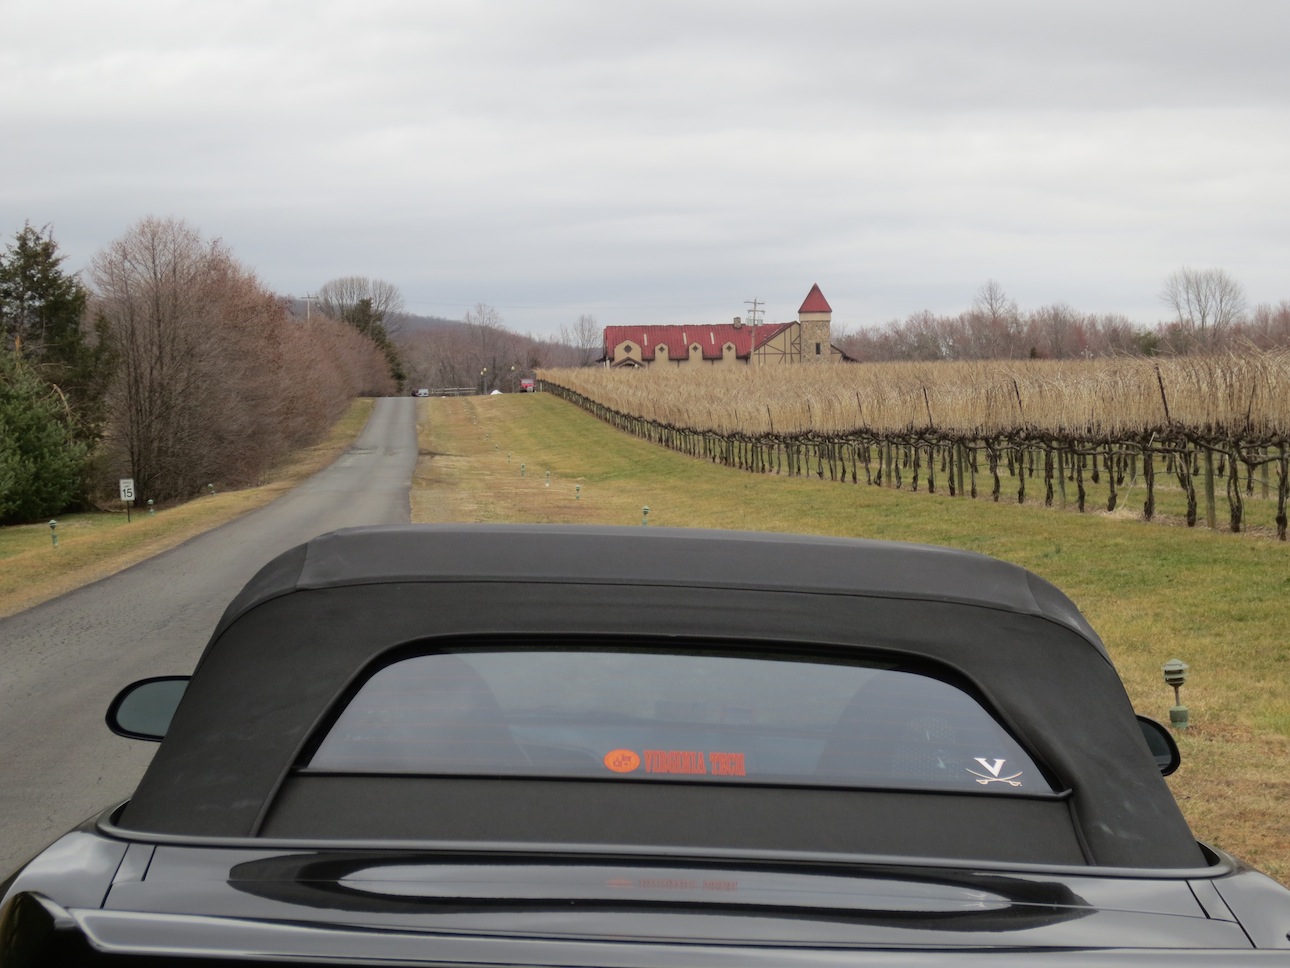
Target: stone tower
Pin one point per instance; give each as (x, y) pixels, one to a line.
(815, 318)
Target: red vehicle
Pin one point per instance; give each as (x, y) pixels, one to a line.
(528, 385)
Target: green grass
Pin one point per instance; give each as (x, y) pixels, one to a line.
(1154, 592)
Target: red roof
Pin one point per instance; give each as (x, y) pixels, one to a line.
(815, 302)
(678, 339)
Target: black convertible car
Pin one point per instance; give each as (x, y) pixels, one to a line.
(637, 748)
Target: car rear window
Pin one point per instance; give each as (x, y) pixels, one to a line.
(680, 715)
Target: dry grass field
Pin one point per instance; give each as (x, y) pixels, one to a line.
(1215, 600)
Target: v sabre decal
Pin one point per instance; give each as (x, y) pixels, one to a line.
(994, 768)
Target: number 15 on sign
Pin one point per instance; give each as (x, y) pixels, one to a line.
(127, 493)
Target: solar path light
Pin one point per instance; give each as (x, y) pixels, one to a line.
(1175, 675)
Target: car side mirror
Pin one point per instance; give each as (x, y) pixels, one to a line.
(1161, 743)
(143, 709)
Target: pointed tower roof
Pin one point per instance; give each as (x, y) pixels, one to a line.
(815, 302)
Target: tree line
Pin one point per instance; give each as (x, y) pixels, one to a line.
(480, 354)
(171, 364)
(1208, 314)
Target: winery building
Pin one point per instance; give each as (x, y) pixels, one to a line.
(806, 339)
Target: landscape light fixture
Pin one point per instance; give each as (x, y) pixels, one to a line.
(1175, 671)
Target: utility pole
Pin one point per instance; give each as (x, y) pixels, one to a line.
(754, 317)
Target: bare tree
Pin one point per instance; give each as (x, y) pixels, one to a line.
(586, 338)
(214, 381)
(1054, 332)
(153, 290)
(1206, 302)
(1269, 326)
(373, 307)
(493, 356)
(481, 352)
(362, 302)
(993, 325)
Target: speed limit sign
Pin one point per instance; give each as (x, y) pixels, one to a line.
(127, 488)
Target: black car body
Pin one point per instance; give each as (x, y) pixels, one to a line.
(548, 745)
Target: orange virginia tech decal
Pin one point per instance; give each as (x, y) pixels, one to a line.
(622, 761)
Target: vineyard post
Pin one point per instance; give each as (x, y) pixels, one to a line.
(1112, 497)
(992, 456)
(1149, 476)
(1211, 509)
(1283, 487)
(960, 453)
(1048, 474)
(1183, 468)
(1061, 474)
(1080, 494)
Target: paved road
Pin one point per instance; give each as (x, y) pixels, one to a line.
(61, 662)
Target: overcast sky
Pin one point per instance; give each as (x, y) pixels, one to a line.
(664, 162)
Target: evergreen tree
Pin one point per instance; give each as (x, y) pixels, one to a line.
(42, 311)
(41, 306)
(41, 464)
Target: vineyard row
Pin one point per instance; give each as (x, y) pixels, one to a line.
(1202, 462)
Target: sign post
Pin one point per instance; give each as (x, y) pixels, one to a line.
(127, 495)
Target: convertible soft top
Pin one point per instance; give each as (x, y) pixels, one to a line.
(659, 557)
(313, 622)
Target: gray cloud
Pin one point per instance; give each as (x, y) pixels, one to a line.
(666, 161)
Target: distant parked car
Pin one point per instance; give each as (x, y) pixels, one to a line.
(528, 385)
(423, 392)
(546, 745)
